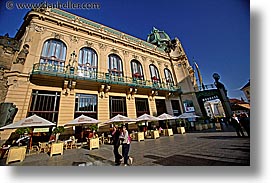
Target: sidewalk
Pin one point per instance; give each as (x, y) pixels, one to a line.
(190, 149)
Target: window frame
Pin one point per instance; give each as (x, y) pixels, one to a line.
(48, 46)
(91, 113)
(118, 70)
(92, 58)
(124, 106)
(139, 74)
(35, 100)
(168, 77)
(154, 79)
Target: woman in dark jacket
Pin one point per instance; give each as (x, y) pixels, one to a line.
(116, 143)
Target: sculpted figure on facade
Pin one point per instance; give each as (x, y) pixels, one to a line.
(21, 58)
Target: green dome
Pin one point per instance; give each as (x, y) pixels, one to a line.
(158, 38)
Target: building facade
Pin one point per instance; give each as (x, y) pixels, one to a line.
(214, 108)
(67, 65)
(246, 91)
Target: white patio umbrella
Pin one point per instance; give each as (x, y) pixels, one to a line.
(166, 117)
(187, 115)
(120, 118)
(32, 121)
(29, 122)
(82, 120)
(147, 117)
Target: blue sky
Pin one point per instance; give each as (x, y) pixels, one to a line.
(215, 32)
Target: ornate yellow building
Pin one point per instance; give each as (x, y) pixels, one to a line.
(68, 65)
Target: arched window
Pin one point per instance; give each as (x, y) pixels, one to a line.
(53, 53)
(168, 77)
(87, 60)
(154, 74)
(115, 65)
(137, 71)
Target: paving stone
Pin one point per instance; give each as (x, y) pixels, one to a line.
(190, 149)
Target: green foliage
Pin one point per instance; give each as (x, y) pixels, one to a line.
(94, 127)
(59, 129)
(21, 131)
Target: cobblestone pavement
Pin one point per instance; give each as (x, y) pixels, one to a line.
(190, 149)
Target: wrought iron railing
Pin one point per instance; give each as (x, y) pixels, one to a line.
(205, 87)
(108, 78)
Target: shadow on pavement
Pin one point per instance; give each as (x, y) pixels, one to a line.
(222, 137)
(182, 160)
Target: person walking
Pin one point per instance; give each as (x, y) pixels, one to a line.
(116, 143)
(236, 124)
(126, 140)
(245, 122)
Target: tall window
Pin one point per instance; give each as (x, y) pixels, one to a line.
(115, 65)
(53, 53)
(168, 77)
(176, 107)
(87, 60)
(142, 106)
(117, 106)
(86, 104)
(154, 74)
(45, 104)
(137, 69)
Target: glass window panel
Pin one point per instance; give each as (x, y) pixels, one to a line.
(64, 49)
(57, 51)
(54, 48)
(45, 104)
(94, 60)
(80, 58)
(45, 49)
(89, 59)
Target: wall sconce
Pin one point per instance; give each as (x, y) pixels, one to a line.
(131, 93)
(103, 90)
(152, 95)
(168, 95)
(69, 86)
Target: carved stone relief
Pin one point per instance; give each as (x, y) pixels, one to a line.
(74, 39)
(22, 55)
(102, 46)
(57, 35)
(89, 44)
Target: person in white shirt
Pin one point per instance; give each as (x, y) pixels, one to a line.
(126, 140)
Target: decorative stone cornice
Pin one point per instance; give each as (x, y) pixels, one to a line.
(103, 31)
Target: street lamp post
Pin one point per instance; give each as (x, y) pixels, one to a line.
(223, 95)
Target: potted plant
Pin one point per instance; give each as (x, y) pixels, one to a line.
(57, 131)
(21, 131)
(93, 128)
